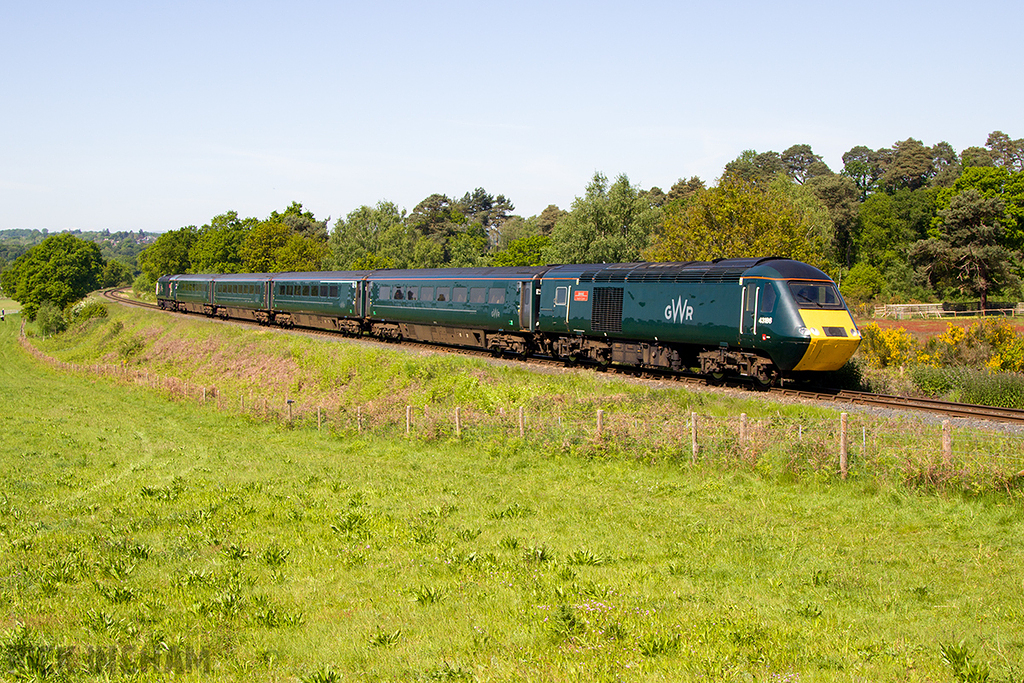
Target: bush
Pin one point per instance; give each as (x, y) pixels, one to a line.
(887, 348)
(144, 287)
(863, 283)
(974, 345)
(87, 309)
(933, 381)
(1001, 389)
(850, 376)
(50, 320)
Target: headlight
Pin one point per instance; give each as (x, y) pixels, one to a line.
(808, 332)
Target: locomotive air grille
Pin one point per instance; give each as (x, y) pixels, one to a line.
(835, 332)
(607, 312)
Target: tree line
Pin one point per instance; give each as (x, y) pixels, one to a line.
(910, 222)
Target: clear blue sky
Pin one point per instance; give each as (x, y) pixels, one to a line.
(155, 115)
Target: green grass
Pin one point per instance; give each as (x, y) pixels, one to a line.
(132, 521)
(9, 305)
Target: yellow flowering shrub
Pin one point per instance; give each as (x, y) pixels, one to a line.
(885, 348)
(972, 345)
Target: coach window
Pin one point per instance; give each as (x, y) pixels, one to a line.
(459, 295)
(477, 295)
(399, 293)
(561, 296)
(496, 295)
(323, 290)
(333, 293)
(767, 298)
(383, 292)
(426, 294)
(444, 294)
(411, 292)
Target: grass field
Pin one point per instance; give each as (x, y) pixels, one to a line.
(9, 305)
(144, 533)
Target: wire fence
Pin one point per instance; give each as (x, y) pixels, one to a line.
(918, 452)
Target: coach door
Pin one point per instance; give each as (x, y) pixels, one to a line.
(529, 302)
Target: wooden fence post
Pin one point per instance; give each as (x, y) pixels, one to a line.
(408, 420)
(947, 444)
(843, 463)
(458, 422)
(600, 422)
(359, 419)
(693, 436)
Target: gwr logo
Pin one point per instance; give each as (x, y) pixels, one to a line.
(679, 311)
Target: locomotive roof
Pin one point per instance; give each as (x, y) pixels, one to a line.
(721, 270)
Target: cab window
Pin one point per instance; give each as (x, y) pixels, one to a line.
(767, 298)
(815, 295)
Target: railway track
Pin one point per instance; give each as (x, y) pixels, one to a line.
(926, 405)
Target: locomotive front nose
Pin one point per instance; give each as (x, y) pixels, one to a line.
(826, 323)
(833, 339)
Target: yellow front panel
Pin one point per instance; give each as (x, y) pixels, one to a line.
(827, 353)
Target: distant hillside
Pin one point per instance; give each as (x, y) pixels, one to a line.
(123, 246)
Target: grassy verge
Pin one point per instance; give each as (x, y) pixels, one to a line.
(152, 531)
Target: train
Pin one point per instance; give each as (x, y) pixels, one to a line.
(762, 319)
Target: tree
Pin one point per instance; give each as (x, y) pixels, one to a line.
(60, 270)
(488, 211)
(740, 219)
(370, 236)
(525, 251)
(115, 274)
(947, 164)
(839, 194)
(682, 190)
(436, 215)
(169, 255)
(517, 228)
(911, 166)
(802, 164)
(754, 168)
(863, 283)
(301, 222)
(976, 156)
(549, 217)
(969, 251)
(991, 181)
(1006, 153)
(610, 224)
(300, 253)
(218, 244)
